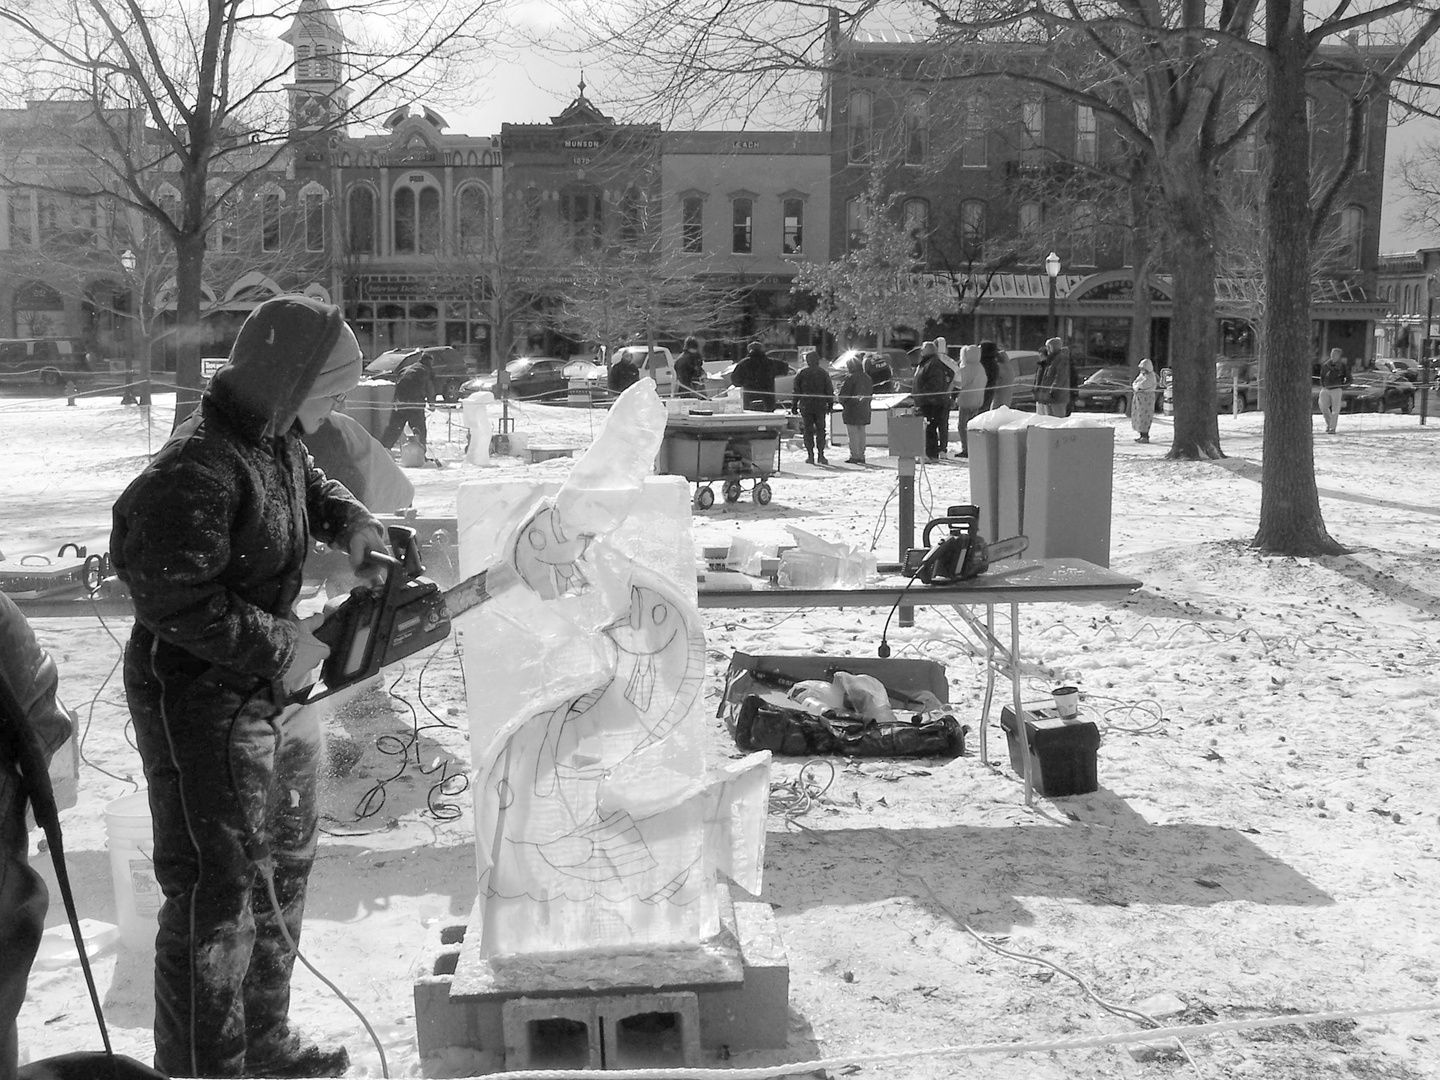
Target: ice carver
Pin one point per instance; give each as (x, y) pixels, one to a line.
(29, 712)
(210, 539)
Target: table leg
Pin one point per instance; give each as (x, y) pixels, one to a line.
(993, 647)
(1015, 691)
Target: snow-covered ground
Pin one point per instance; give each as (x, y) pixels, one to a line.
(1263, 840)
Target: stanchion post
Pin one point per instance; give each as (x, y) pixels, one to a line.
(906, 615)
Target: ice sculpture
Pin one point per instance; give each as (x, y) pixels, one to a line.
(596, 822)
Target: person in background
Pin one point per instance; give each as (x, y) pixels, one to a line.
(1052, 380)
(345, 452)
(1006, 371)
(970, 393)
(1334, 374)
(414, 390)
(33, 723)
(932, 398)
(990, 363)
(623, 374)
(882, 375)
(690, 370)
(813, 400)
(211, 539)
(856, 389)
(1142, 400)
(755, 376)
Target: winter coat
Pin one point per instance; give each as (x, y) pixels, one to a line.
(932, 382)
(1334, 374)
(855, 393)
(416, 385)
(755, 375)
(690, 372)
(970, 381)
(814, 390)
(1005, 373)
(1052, 379)
(882, 376)
(211, 537)
(623, 374)
(1142, 400)
(344, 451)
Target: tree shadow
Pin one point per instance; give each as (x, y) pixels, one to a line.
(1111, 855)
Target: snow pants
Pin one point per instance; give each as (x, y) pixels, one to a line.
(937, 427)
(227, 792)
(400, 415)
(814, 431)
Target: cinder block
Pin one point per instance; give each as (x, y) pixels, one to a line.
(756, 1016)
(552, 1033)
(441, 1023)
(650, 1031)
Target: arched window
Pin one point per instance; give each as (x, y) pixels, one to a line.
(1352, 233)
(224, 231)
(417, 216)
(22, 218)
(862, 125)
(854, 224)
(270, 199)
(1030, 216)
(472, 214)
(632, 215)
(917, 225)
(360, 215)
(582, 211)
(917, 129)
(312, 206)
(972, 228)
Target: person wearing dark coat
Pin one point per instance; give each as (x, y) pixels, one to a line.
(990, 362)
(211, 539)
(623, 374)
(882, 375)
(31, 719)
(856, 389)
(690, 370)
(1053, 379)
(414, 390)
(813, 400)
(931, 392)
(755, 376)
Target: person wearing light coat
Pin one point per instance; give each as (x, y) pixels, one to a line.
(970, 392)
(1142, 401)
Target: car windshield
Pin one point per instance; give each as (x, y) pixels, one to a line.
(519, 367)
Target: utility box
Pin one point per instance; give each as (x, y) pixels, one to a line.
(1062, 752)
(905, 432)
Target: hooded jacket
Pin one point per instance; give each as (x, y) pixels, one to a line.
(211, 538)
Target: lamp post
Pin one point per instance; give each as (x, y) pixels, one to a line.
(1052, 270)
(127, 262)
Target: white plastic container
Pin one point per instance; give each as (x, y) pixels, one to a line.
(132, 870)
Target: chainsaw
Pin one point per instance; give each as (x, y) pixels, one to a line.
(378, 625)
(961, 555)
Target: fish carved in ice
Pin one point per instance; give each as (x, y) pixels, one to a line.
(575, 822)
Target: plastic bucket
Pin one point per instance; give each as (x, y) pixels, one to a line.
(137, 893)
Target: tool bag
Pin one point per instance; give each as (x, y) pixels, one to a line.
(764, 725)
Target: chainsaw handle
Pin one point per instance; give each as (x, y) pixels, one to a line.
(960, 515)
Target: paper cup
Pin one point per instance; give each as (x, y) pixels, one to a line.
(1067, 701)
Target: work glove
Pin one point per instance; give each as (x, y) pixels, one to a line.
(310, 651)
(364, 540)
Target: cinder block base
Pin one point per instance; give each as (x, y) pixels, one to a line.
(669, 1027)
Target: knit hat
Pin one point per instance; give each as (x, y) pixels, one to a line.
(342, 368)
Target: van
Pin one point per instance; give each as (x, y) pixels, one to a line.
(48, 361)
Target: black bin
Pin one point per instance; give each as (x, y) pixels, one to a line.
(1062, 752)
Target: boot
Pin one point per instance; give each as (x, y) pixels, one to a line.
(1143, 438)
(809, 459)
(821, 459)
(296, 1058)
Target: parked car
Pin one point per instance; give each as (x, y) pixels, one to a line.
(531, 378)
(447, 363)
(48, 361)
(1104, 388)
(1404, 367)
(1230, 371)
(1379, 391)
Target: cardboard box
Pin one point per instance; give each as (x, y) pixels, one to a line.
(750, 674)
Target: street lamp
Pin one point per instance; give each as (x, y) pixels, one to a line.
(1052, 270)
(127, 261)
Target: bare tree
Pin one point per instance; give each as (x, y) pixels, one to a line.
(184, 92)
(879, 284)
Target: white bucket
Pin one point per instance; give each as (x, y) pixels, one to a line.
(137, 893)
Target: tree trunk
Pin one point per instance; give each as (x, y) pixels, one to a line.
(1290, 518)
(189, 265)
(1144, 258)
(1192, 320)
